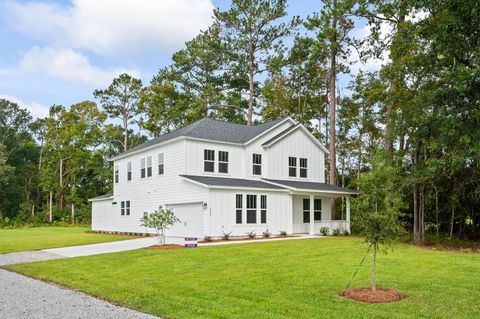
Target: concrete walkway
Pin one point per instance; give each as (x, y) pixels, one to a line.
(25, 298)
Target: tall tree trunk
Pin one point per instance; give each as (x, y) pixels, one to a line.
(60, 188)
(73, 213)
(40, 164)
(453, 218)
(374, 267)
(332, 79)
(50, 216)
(125, 132)
(395, 57)
(250, 80)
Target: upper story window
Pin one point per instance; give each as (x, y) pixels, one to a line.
(303, 167)
(142, 168)
(222, 162)
(129, 171)
(149, 166)
(146, 167)
(116, 174)
(161, 164)
(209, 160)
(292, 166)
(257, 164)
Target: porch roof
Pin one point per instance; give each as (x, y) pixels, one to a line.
(311, 186)
(225, 182)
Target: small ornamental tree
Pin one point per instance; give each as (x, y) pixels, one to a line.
(160, 220)
(378, 209)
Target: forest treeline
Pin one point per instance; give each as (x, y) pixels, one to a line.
(415, 122)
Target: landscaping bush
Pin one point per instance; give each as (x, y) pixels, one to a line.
(266, 234)
(283, 233)
(226, 236)
(336, 231)
(251, 234)
(207, 238)
(324, 230)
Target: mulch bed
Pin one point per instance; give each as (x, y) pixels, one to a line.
(380, 295)
(164, 247)
(240, 239)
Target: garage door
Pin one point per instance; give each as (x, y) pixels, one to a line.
(191, 220)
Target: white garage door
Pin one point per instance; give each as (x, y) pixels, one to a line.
(191, 220)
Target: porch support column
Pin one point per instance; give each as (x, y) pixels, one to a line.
(348, 213)
(312, 221)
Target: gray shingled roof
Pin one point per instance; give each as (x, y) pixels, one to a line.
(210, 129)
(231, 182)
(312, 186)
(106, 196)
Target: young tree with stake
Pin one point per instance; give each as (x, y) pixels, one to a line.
(378, 209)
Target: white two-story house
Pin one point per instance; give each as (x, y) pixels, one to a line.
(221, 177)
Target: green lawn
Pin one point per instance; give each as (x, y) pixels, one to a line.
(23, 239)
(284, 279)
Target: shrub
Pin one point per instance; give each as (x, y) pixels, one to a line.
(160, 220)
(336, 231)
(283, 233)
(207, 238)
(251, 234)
(324, 230)
(266, 234)
(226, 236)
(346, 232)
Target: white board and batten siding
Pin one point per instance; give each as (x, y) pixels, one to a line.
(298, 145)
(223, 213)
(147, 194)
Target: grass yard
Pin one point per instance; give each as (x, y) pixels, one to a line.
(285, 279)
(23, 239)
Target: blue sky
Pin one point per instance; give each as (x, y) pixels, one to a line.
(58, 52)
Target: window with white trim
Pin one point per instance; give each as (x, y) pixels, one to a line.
(222, 162)
(129, 171)
(209, 161)
(303, 167)
(161, 164)
(122, 208)
(116, 174)
(127, 208)
(149, 166)
(142, 168)
(263, 209)
(292, 166)
(239, 208)
(317, 209)
(257, 164)
(251, 209)
(306, 210)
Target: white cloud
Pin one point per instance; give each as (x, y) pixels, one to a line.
(112, 26)
(36, 109)
(66, 64)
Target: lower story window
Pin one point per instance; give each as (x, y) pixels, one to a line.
(125, 208)
(306, 210)
(263, 209)
(251, 209)
(317, 209)
(239, 210)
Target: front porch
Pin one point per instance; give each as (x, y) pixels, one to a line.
(311, 212)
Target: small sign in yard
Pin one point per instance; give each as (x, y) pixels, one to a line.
(191, 242)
